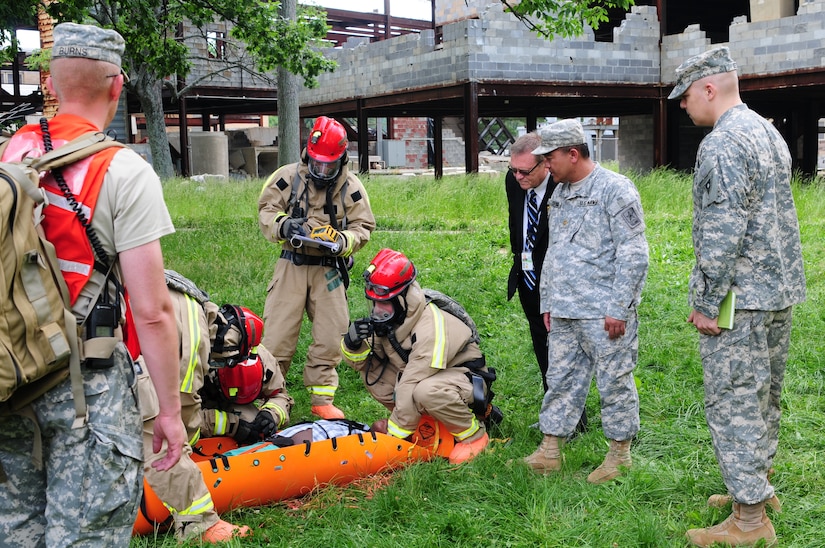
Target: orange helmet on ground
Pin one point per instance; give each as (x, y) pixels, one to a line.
(326, 147)
(241, 382)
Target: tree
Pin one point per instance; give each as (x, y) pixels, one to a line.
(289, 134)
(260, 41)
(565, 18)
(13, 15)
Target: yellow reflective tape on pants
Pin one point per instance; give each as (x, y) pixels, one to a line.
(322, 390)
(396, 431)
(460, 436)
(199, 506)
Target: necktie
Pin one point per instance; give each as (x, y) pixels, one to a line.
(532, 229)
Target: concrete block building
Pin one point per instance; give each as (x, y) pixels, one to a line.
(420, 93)
(481, 61)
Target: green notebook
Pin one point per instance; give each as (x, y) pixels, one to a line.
(726, 310)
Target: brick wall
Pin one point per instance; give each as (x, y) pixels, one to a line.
(413, 131)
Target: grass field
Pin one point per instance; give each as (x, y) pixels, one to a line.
(455, 232)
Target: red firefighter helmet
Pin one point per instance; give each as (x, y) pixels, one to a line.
(388, 275)
(238, 335)
(241, 382)
(326, 146)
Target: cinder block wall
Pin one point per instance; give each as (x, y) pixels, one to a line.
(450, 11)
(759, 48)
(482, 42)
(213, 72)
(493, 46)
(635, 144)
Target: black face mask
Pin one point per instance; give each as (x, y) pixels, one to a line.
(319, 184)
(381, 329)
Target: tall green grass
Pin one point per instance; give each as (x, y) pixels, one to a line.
(455, 231)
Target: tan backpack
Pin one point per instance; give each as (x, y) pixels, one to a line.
(38, 332)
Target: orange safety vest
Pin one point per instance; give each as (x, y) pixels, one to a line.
(60, 223)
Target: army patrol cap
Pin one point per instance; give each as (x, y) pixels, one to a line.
(87, 42)
(564, 133)
(705, 64)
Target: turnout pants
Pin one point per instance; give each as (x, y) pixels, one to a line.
(318, 290)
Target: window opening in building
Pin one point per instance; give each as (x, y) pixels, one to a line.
(216, 44)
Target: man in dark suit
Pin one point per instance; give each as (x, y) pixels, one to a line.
(529, 179)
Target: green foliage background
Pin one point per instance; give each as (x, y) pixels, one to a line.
(455, 232)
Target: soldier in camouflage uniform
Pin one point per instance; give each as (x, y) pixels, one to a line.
(591, 284)
(746, 241)
(86, 489)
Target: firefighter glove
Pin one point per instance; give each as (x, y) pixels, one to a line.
(358, 331)
(328, 234)
(292, 227)
(246, 433)
(264, 425)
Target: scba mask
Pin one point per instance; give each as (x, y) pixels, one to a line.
(381, 311)
(324, 173)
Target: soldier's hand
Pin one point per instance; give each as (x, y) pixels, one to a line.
(263, 424)
(614, 327)
(292, 227)
(358, 331)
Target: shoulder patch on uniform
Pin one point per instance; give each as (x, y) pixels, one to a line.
(356, 196)
(630, 215)
(281, 184)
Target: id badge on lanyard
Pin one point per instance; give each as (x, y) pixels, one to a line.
(527, 260)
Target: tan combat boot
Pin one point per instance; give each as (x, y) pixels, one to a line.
(720, 501)
(618, 455)
(547, 458)
(746, 525)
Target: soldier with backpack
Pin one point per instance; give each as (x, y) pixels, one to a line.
(87, 487)
(417, 359)
(319, 213)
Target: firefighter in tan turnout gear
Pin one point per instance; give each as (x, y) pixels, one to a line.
(182, 488)
(320, 214)
(417, 359)
(243, 393)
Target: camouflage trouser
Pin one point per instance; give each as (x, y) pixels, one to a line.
(578, 350)
(743, 373)
(88, 491)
